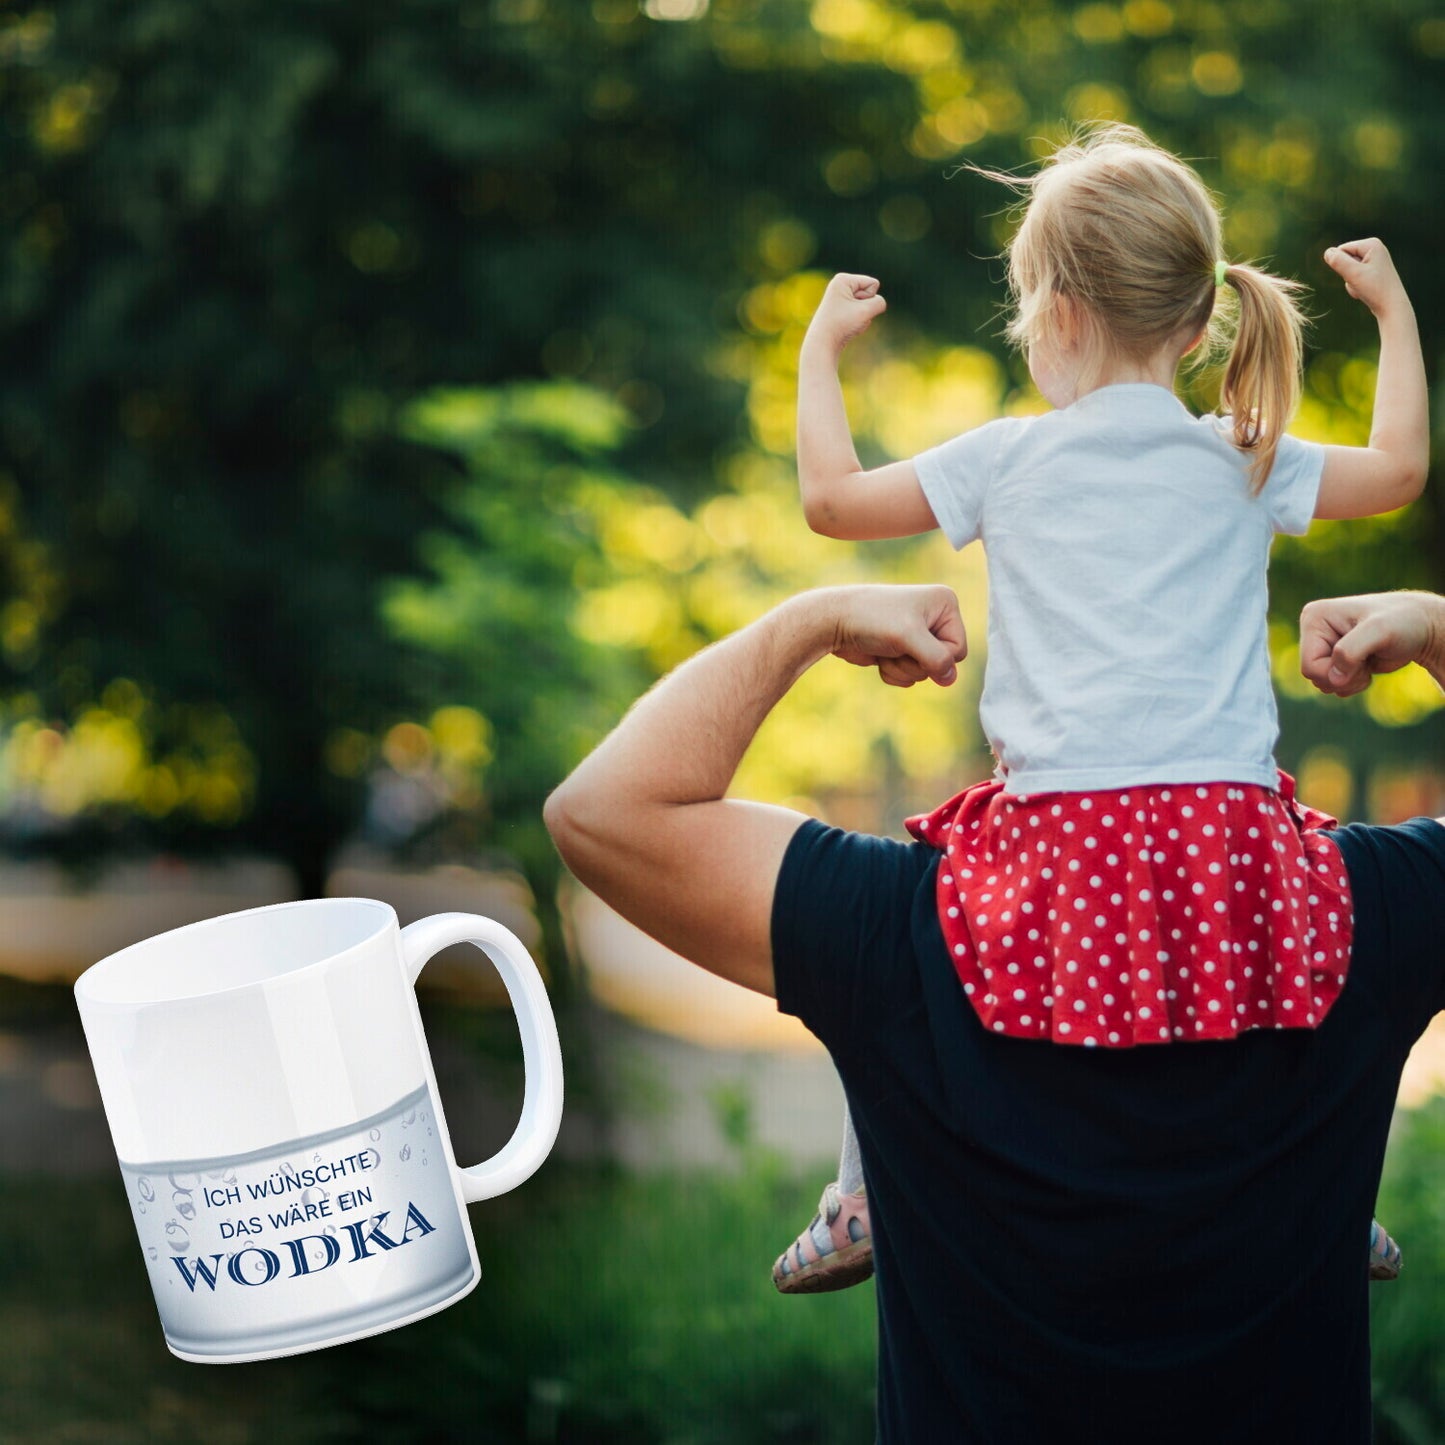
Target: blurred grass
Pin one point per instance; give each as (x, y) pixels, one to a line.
(611, 1308)
(1407, 1325)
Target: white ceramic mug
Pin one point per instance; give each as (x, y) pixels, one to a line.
(273, 1106)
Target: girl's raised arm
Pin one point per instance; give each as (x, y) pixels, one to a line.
(840, 499)
(1390, 472)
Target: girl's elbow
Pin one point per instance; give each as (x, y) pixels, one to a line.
(1413, 478)
(1398, 479)
(1406, 484)
(820, 514)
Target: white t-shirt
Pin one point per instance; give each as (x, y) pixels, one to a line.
(1127, 595)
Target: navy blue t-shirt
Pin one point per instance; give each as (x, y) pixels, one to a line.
(1164, 1243)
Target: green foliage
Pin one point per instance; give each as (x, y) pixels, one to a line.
(493, 609)
(85, 1357)
(671, 1329)
(609, 1310)
(240, 239)
(732, 1107)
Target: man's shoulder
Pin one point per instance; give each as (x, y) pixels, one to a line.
(1397, 892)
(1380, 850)
(849, 912)
(838, 876)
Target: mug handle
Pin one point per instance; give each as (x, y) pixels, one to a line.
(536, 1130)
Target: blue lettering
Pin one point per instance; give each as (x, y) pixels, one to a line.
(301, 1213)
(374, 1234)
(232, 1229)
(303, 1260)
(416, 1217)
(298, 1253)
(202, 1272)
(272, 1265)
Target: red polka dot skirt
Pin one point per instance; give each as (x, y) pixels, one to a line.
(1141, 915)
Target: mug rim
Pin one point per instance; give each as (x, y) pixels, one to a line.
(113, 964)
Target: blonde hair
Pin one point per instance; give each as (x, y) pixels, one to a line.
(1131, 236)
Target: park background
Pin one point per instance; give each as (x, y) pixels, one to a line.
(389, 392)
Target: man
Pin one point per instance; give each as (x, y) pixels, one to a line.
(1154, 1244)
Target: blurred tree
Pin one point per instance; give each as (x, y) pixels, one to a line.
(242, 237)
(494, 613)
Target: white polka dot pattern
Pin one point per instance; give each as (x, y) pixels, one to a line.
(1152, 914)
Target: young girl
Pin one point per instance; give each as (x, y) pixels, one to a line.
(1138, 871)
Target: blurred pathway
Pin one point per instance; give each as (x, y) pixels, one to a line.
(662, 1099)
(658, 1062)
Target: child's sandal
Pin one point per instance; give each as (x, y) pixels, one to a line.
(833, 1252)
(1385, 1256)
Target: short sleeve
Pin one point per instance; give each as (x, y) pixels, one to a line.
(1397, 883)
(1293, 486)
(955, 479)
(843, 953)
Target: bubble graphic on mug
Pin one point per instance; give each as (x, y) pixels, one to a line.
(187, 1183)
(405, 1153)
(151, 1251)
(409, 1120)
(185, 1205)
(178, 1237)
(374, 1135)
(374, 1156)
(145, 1189)
(313, 1197)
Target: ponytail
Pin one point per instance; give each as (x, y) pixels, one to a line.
(1261, 386)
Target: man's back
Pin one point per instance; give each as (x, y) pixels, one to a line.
(1163, 1243)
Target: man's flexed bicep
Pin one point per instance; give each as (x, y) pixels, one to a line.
(644, 820)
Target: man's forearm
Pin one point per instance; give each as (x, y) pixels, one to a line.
(1432, 658)
(644, 823)
(682, 743)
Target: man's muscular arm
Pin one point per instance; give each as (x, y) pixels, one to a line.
(643, 821)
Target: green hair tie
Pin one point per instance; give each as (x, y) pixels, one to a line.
(1220, 267)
